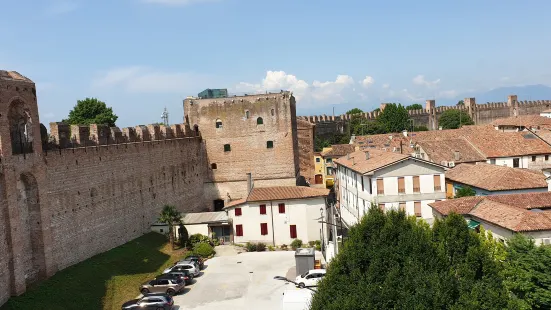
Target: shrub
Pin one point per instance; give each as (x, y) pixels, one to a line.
(260, 247)
(271, 248)
(283, 247)
(198, 238)
(317, 245)
(297, 243)
(251, 247)
(311, 244)
(203, 249)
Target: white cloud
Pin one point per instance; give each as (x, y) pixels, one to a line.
(177, 2)
(368, 81)
(138, 79)
(420, 80)
(386, 86)
(319, 92)
(60, 7)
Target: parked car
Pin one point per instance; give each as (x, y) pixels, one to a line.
(193, 269)
(150, 302)
(184, 275)
(170, 286)
(195, 258)
(310, 278)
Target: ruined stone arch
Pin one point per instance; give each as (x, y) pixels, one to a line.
(31, 221)
(21, 127)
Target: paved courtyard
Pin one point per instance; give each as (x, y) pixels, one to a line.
(239, 281)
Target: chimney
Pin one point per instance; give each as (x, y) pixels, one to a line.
(249, 182)
(456, 155)
(405, 132)
(367, 155)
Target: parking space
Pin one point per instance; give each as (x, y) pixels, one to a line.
(239, 281)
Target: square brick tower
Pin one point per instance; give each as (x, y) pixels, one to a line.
(246, 134)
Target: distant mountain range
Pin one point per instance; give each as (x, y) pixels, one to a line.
(528, 92)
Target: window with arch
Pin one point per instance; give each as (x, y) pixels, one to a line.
(247, 114)
(259, 121)
(227, 148)
(21, 130)
(213, 166)
(218, 123)
(272, 112)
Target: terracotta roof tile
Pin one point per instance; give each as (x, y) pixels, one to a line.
(359, 161)
(236, 203)
(338, 150)
(285, 192)
(393, 142)
(524, 120)
(458, 150)
(516, 212)
(496, 178)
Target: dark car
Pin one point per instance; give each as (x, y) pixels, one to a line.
(196, 259)
(150, 301)
(184, 275)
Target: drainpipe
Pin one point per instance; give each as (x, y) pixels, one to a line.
(273, 228)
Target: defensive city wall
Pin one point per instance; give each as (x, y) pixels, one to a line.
(480, 113)
(87, 190)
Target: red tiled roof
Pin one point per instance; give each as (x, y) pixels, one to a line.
(516, 212)
(524, 120)
(338, 150)
(285, 192)
(359, 162)
(496, 178)
(458, 150)
(236, 203)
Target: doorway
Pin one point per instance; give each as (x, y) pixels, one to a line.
(218, 205)
(222, 233)
(319, 179)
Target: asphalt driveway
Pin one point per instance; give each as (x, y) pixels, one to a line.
(239, 281)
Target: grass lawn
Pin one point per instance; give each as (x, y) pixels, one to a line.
(104, 281)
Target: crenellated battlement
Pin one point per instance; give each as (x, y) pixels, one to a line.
(70, 136)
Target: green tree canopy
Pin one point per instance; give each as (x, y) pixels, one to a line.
(415, 106)
(465, 191)
(394, 118)
(355, 111)
(528, 272)
(460, 102)
(171, 217)
(391, 261)
(453, 119)
(91, 111)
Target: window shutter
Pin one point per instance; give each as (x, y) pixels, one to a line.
(401, 185)
(263, 229)
(293, 229)
(262, 209)
(239, 230)
(402, 206)
(281, 208)
(437, 186)
(237, 211)
(380, 187)
(382, 206)
(416, 186)
(417, 208)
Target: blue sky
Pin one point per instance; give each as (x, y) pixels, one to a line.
(142, 55)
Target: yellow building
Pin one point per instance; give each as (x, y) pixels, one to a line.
(328, 154)
(318, 169)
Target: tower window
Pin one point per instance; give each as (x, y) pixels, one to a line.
(227, 148)
(273, 112)
(213, 166)
(270, 144)
(247, 114)
(259, 121)
(218, 123)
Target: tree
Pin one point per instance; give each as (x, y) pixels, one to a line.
(392, 261)
(171, 217)
(394, 118)
(528, 272)
(465, 191)
(183, 235)
(415, 106)
(355, 111)
(460, 102)
(453, 119)
(91, 111)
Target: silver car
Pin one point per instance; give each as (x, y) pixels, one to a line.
(193, 269)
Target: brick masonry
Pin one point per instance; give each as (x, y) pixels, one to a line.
(92, 188)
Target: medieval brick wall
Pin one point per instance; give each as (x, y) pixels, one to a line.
(237, 132)
(101, 197)
(305, 133)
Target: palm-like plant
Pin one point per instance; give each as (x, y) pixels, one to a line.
(170, 216)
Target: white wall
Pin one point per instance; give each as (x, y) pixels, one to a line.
(202, 229)
(304, 213)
